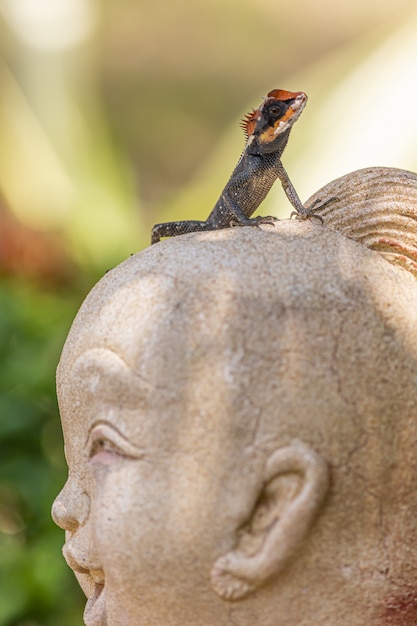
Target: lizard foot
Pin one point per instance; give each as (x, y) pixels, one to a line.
(317, 205)
(255, 221)
(265, 219)
(306, 214)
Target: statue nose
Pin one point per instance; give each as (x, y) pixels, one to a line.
(70, 508)
(62, 517)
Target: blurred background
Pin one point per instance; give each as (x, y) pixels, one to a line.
(115, 115)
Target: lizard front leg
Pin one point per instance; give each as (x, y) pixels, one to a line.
(300, 210)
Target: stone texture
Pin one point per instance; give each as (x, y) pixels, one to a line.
(240, 419)
(376, 206)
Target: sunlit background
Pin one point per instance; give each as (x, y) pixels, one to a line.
(116, 114)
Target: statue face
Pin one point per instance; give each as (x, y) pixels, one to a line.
(145, 516)
(205, 399)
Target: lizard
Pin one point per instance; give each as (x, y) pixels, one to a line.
(267, 130)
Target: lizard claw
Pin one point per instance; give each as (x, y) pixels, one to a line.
(266, 219)
(306, 214)
(318, 204)
(254, 221)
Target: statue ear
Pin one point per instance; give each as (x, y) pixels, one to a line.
(295, 484)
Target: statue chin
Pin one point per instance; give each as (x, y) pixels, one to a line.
(239, 413)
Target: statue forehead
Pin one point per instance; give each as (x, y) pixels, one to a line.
(245, 290)
(298, 325)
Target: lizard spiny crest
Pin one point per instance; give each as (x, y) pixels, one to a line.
(248, 122)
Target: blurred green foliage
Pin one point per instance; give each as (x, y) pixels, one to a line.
(36, 586)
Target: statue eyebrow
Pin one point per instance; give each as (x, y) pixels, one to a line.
(100, 370)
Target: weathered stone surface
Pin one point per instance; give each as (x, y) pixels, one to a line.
(376, 206)
(240, 418)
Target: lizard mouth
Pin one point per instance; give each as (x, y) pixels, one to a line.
(297, 106)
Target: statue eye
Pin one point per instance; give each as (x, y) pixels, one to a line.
(107, 446)
(103, 454)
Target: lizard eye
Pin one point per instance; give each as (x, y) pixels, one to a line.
(276, 110)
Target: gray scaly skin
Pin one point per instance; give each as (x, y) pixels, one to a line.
(267, 129)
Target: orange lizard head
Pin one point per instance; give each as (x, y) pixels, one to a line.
(278, 112)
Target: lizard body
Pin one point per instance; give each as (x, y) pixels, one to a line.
(267, 130)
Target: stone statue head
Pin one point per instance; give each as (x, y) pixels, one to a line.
(240, 419)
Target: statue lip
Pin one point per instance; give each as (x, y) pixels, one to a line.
(95, 608)
(91, 579)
